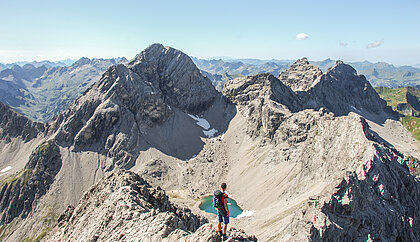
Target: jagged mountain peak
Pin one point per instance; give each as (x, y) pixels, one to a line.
(301, 61)
(341, 90)
(13, 124)
(81, 61)
(245, 90)
(341, 68)
(113, 114)
(301, 75)
(177, 77)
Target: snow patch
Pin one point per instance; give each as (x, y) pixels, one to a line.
(210, 133)
(7, 168)
(203, 123)
(71, 72)
(245, 213)
(355, 109)
(200, 121)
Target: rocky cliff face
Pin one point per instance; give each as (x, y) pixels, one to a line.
(301, 76)
(374, 202)
(267, 101)
(179, 80)
(19, 192)
(124, 207)
(340, 90)
(374, 196)
(113, 115)
(13, 124)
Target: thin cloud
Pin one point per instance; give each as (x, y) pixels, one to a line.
(302, 36)
(343, 44)
(375, 44)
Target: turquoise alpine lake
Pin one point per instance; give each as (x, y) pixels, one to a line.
(207, 206)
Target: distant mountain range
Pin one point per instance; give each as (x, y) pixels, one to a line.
(378, 74)
(40, 90)
(47, 63)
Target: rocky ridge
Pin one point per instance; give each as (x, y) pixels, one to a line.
(341, 90)
(113, 116)
(13, 124)
(369, 176)
(125, 201)
(301, 76)
(19, 192)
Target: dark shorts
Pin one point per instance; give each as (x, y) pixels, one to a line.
(222, 215)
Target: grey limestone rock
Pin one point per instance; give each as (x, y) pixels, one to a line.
(13, 124)
(124, 207)
(179, 80)
(267, 101)
(341, 90)
(19, 192)
(125, 201)
(301, 76)
(113, 114)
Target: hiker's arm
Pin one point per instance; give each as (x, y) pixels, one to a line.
(226, 206)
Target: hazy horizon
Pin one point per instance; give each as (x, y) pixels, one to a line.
(376, 31)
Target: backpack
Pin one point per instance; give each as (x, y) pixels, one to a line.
(217, 199)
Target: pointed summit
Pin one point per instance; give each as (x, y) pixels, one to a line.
(178, 78)
(113, 115)
(301, 75)
(341, 90)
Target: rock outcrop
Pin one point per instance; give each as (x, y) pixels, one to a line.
(374, 196)
(113, 115)
(267, 101)
(124, 207)
(376, 202)
(301, 76)
(340, 90)
(19, 192)
(13, 124)
(178, 79)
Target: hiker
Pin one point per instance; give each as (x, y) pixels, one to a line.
(220, 200)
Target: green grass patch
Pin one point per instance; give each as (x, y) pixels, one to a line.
(23, 176)
(413, 125)
(44, 146)
(393, 97)
(37, 238)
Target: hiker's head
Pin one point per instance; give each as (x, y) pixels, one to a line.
(223, 186)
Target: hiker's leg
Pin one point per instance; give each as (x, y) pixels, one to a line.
(220, 218)
(224, 228)
(225, 221)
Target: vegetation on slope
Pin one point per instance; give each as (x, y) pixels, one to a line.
(413, 125)
(393, 97)
(405, 101)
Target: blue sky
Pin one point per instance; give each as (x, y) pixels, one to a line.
(54, 29)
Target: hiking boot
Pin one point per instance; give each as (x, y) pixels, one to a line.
(220, 233)
(225, 237)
